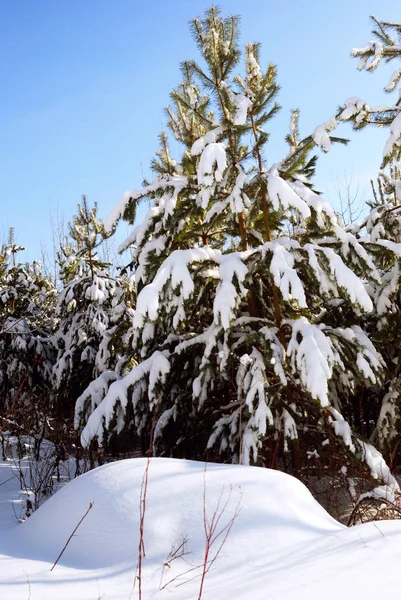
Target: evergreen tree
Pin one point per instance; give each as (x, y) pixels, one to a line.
(90, 310)
(386, 47)
(383, 226)
(250, 297)
(27, 300)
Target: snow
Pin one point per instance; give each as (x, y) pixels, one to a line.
(175, 272)
(353, 106)
(347, 280)
(252, 65)
(282, 195)
(270, 335)
(227, 298)
(395, 136)
(369, 359)
(342, 428)
(312, 354)
(238, 199)
(124, 390)
(213, 153)
(93, 395)
(373, 51)
(174, 268)
(242, 104)
(176, 182)
(388, 418)
(321, 135)
(282, 544)
(394, 79)
(209, 138)
(211, 166)
(252, 383)
(193, 94)
(316, 202)
(285, 276)
(156, 245)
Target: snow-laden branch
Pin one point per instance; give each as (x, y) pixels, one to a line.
(143, 379)
(176, 182)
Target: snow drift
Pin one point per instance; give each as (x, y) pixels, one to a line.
(282, 543)
(277, 506)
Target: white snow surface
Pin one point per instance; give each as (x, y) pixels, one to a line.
(282, 544)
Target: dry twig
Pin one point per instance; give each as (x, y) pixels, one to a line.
(72, 534)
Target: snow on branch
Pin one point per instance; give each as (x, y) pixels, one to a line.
(227, 298)
(348, 280)
(350, 241)
(282, 268)
(369, 361)
(143, 379)
(209, 138)
(156, 245)
(212, 164)
(241, 104)
(355, 107)
(175, 273)
(341, 428)
(394, 140)
(253, 386)
(394, 79)
(316, 202)
(174, 270)
(278, 352)
(378, 467)
(321, 133)
(238, 201)
(313, 357)
(283, 196)
(388, 422)
(373, 51)
(385, 294)
(176, 182)
(94, 395)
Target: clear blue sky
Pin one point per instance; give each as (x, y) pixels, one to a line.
(83, 84)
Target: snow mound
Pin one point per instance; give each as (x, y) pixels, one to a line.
(275, 507)
(282, 544)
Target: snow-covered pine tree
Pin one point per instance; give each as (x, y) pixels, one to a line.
(383, 225)
(92, 311)
(248, 317)
(385, 47)
(27, 300)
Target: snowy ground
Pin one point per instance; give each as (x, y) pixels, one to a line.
(282, 543)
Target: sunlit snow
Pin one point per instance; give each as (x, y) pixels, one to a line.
(282, 544)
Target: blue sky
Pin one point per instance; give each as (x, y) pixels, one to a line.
(84, 84)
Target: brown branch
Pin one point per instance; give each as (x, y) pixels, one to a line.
(14, 402)
(72, 534)
(212, 533)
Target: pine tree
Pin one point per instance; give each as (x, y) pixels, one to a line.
(383, 227)
(386, 47)
(90, 310)
(250, 297)
(27, 300)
